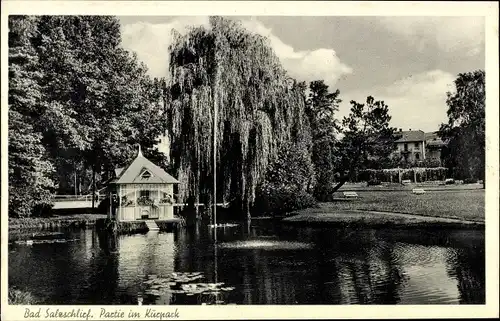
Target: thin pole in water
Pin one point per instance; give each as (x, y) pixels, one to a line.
(215, 174)
(216, 274)
(215, 198)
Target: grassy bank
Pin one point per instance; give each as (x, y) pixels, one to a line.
(57, 221)
(353, 218)
(458, 204)
(453, 208)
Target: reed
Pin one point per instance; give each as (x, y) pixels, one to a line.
(19, 297)
(131, 227)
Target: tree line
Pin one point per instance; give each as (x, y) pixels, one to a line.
(79, 104)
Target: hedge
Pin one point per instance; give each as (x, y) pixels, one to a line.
(417, 174)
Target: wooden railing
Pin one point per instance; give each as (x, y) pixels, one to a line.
(77, 198)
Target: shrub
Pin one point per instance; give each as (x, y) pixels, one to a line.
(284, 188)
(131, 227)
(276, 201)
(374, 182)
(470, 181)
(20, 297)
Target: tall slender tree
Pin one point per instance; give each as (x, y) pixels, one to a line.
(321, 108)
(102, 101)
(30, 172)
(465, 130)
(367, 138)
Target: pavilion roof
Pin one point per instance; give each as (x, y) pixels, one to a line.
(133, 173)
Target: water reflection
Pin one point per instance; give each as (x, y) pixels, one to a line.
(336, 267)
(468, 268)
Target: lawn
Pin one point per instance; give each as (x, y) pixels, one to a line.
(459, 204)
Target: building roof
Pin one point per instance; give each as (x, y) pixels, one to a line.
(132, 174)
(431, 136)
(410, 136)
(433, 139)
(434, 143)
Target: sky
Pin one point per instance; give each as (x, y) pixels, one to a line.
(408, 62)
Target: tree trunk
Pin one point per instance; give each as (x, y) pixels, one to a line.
(341, 183)
(248, 213)
(110, 195)
(75, 173)
(189, 211)
(351, 169)
(93, 187)
(196, 208)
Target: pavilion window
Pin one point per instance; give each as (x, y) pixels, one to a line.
(146, 175)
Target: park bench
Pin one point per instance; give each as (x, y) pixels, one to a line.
(350, 194)
(418, 191)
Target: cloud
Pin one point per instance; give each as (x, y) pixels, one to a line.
(307, 65)
(416, 102)
(450, 34)
(151, 41)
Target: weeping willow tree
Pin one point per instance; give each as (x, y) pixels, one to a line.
(223, 67)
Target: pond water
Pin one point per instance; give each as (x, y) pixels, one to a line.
(261, 264)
